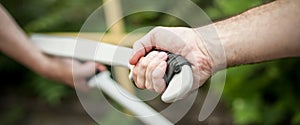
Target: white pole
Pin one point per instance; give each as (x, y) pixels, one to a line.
(142, 111)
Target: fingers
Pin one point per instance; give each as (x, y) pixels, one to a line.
(140, 69)
(86, 69)
(83, 71)
(159, 83)
(100, 67)
(156, 63)
(149, 71)
(81, 85)
(72, 72)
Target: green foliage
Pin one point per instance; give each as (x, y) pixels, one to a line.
(110, 119)
(50, 15)
(26, 83)
(64, 15)
(225, 8)
(296, 118)
(13, 114)
(246, 110)
(265, 93)
(50, 91)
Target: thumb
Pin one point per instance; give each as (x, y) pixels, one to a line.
(141, 47)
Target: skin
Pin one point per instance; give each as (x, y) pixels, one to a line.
(15, 44)
(261, 34)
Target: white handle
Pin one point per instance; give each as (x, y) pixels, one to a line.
(179, 86)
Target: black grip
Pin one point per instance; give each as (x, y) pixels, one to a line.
(175, 63)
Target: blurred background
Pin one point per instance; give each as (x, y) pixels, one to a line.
(266, 93)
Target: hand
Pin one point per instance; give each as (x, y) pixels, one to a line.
(60, 69)
(149, 70)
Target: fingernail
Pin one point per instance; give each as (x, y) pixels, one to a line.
(162, 55)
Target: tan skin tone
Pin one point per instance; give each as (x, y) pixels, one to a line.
(15, 44)
(263, 33)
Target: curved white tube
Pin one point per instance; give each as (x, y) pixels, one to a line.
(144, 112)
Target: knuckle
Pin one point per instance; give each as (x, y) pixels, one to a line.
(135, 69)
(158, 28)
(152, 54)
(135, 72)
(151, 66)
(137, 46)
(144, 64)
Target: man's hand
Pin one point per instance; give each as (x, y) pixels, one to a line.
(150, 69)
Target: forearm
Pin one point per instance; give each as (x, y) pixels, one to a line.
(15, 44)
(264, 33)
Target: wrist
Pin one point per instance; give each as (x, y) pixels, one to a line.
(210, 44)
(224, 35)
(42, 66)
